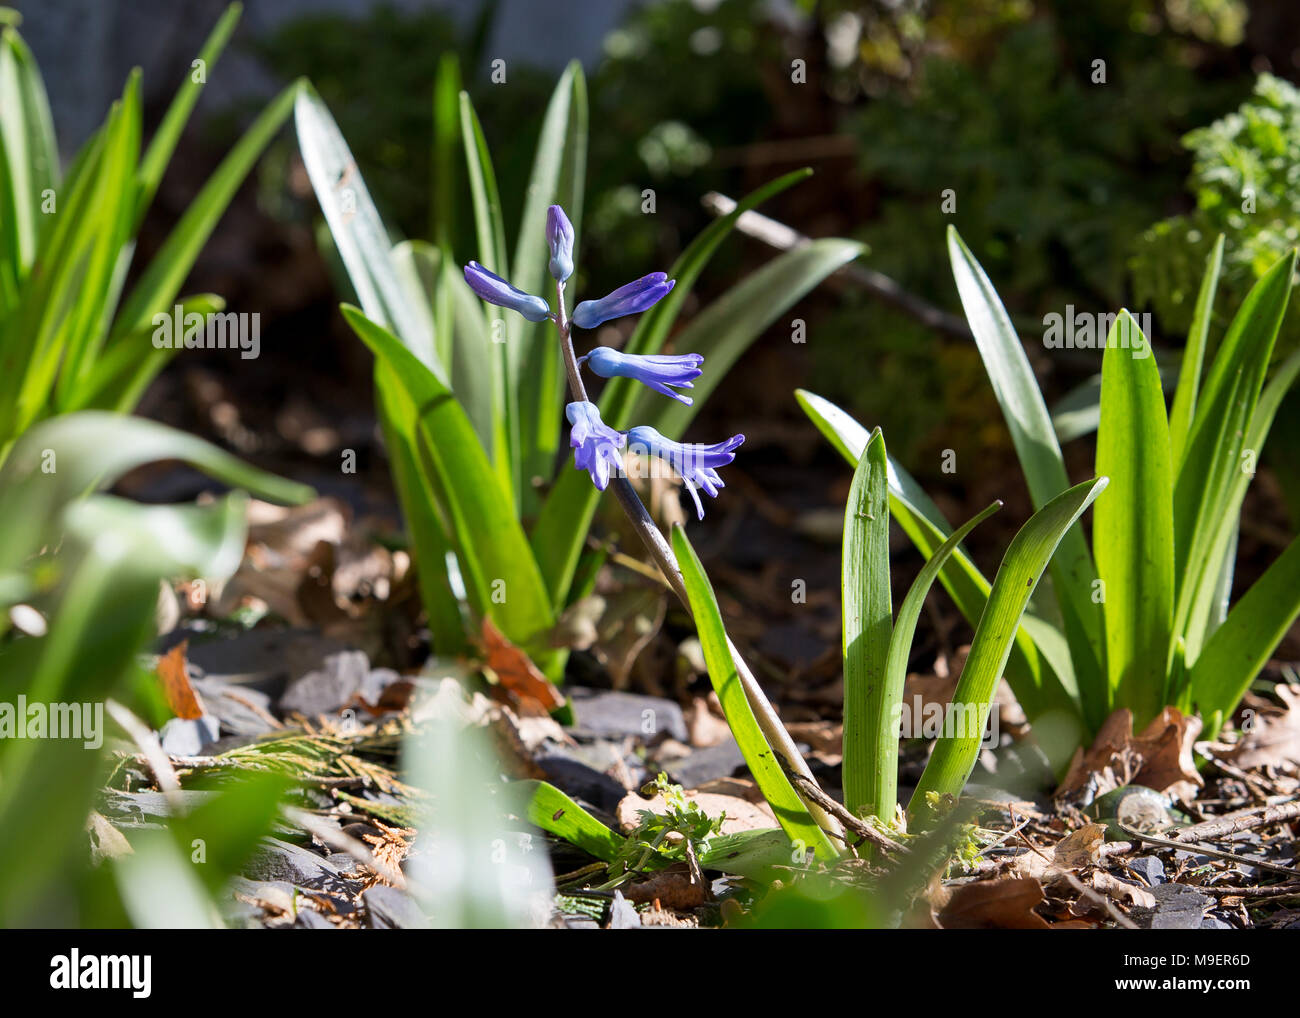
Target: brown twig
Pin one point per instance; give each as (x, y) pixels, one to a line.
(808, 789)
(1242, 821)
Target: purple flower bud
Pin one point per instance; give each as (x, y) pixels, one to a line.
(495, 290)
(596, 445)
(696, 463)
(559, 234)
(636, 296)
(656, 370)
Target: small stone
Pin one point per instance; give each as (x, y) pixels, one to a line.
(609, 714)
(310, 919)
(581, 781)
(622, 914)
(705, 765)
(1178, 907)
(328, 688)
(1151, 869)
(388, 908)
(282, 860)
(188, 737)
(1211, 923)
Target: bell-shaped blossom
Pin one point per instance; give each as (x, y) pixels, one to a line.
(658, 371)
(597, 448)
(630, 299)
(495, 290)
(697, 464)
(559, 235)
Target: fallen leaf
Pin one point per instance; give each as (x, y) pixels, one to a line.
(1004, 904)
(1271, 736)
(706, 728)
(515, 671)
(1113, 887)
(1159, 758)
(181, 697)
(1080, 848)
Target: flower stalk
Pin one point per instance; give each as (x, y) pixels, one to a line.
(634, 509)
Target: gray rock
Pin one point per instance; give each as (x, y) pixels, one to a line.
(282, 860)
(581, 781)
(188, 737)
(603, 713)
(242, 710)
(264, 658)
(623, 914)
(310, 919)
(1178, 907)
(374, 684)
(1151, 869)
(329, 687)
(1211, 923)
(388, 908)
(704, 765)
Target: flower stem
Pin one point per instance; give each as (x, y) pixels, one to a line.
(653, 539)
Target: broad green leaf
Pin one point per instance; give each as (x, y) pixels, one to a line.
(1189, 378)
(70, 455)
(1246, 349)
(1039, 453)
(359, 234)
(727, 327)
(489, 224)
(1209, 607)
(501, 576)
(547, 808)
(1022, 566)
(427, 532)
(759, 756)
(1238, 650)
(29, 156)
(886, 722)
(1037, 684)
(867, 610)
(1133, 527)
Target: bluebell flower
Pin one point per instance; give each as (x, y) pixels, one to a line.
(495, 290)
(597, 447)
(630, 299)
(655, 370)
(697, 464)
(559, 235)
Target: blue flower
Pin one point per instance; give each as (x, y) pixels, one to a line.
(697, 464)
(495, 290)
(655, 370)
(559, 234)
(636, 296)
(596, 445)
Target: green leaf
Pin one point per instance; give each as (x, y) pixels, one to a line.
(763, 764)
(727, 327)
(867, 611)
(886, 722)
(161, 282)
(1037, 684)
(159, 152)
(1022, 566)
(68, 456)
(359, 234)
(1189, 378)
(1215, 441)
(1039, 452)
(548, 809)
(1133, 526)
(1234, 655)
(29, 156)
(490, 545)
